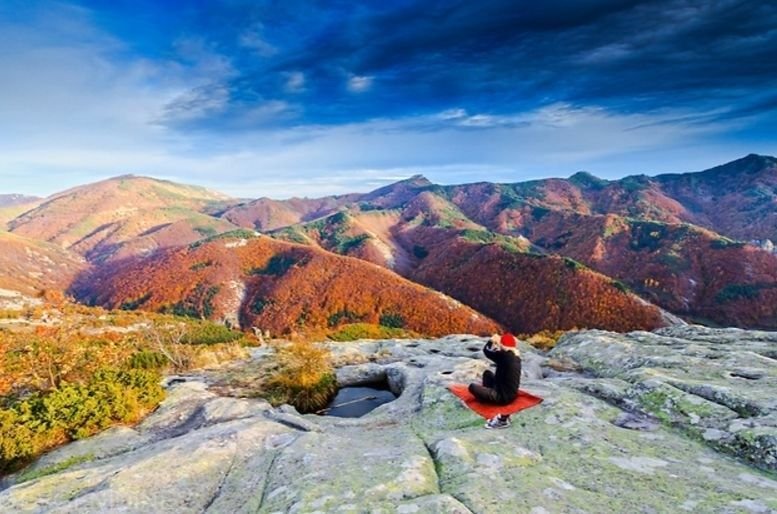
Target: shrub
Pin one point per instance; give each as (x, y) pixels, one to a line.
(544, 340)
(41, 421)
(356, 331)
(291, 234)
(620, 286)
(303, 377)
(240, 233)
(134, 303)
(343, 316)
(477, 236)
(573, 264)
(206, 231)
(647, 235)
(277, 266)
(201, 265)
(736, 291)
(198, 304)
(723, 243)
(147, 359)
(210, 333)
(260, 304)
(392, 320)
(344, 245)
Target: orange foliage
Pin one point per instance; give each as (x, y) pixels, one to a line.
(289, 288)
(530, 293)
(684, 269)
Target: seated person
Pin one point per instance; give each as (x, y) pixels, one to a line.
(500, 388)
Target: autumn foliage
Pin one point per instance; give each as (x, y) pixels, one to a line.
(530, 293)
(93, 369)
(685, 269)
(288, 288)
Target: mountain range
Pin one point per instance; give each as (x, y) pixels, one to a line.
(585, 252)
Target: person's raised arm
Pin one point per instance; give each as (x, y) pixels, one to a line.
(492, 351)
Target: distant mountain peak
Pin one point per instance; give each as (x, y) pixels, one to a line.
(398, 192)
(583, 175)
(7, 200)
(750, 164)
(586, 179)
(416, 180)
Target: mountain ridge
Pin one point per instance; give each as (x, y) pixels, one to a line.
(661, 238)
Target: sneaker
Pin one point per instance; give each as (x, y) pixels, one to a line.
(498, 421)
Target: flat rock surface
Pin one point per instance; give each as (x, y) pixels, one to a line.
(719, 385)
(681, 420)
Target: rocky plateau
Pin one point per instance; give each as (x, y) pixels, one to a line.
(683, 419)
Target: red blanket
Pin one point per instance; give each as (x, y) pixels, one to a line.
(524, 400)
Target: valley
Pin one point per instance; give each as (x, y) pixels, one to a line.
(634, 253)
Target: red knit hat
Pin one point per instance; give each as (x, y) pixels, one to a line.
(508, 340)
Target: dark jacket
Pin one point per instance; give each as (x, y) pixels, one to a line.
(508, 372)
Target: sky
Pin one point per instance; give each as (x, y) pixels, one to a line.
(310, 98)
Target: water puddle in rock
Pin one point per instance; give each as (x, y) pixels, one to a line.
(355, 402)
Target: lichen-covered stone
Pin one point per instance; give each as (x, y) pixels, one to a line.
(719, 385)
(603, 441)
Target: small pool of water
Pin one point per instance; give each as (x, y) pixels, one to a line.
(355, 402)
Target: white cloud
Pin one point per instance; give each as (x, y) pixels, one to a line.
(452, 114)
(195, 104)
(606, 54)
(253, 39)
(359, 83)
(204, 62)
(72, 112)
(295, 82)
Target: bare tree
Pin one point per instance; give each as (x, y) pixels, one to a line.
(169, 341)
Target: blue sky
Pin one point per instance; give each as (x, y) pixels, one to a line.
(259, 98)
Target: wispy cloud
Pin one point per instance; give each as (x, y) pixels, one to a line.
(327, 98)
(295, 81)
(254, 39)
(359, 83)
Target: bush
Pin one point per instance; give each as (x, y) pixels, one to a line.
(201, 265)
(147, 359)
(210, 333)
(278, 266)
(240, 233)
(303, 377)
(478, 236)
(199, 304)
(647, 235)
(723, 243)
(736, 291)
(73, 411)
(620, 286)
(357, 331)
(343, 316)
(573, 264)
(544, 340)
(260, 304)
(135, 303)
(392, 320)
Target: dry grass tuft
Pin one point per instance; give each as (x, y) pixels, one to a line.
(303, 377)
